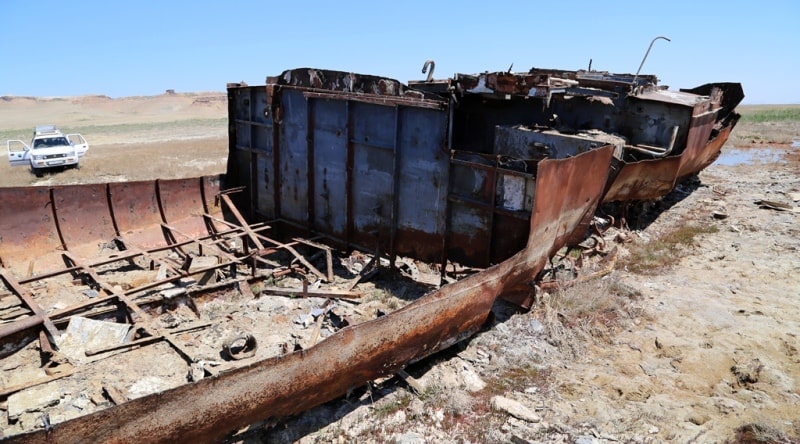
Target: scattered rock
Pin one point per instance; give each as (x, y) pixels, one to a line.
(33, 399)
(698, 418)
(410, 438)
(514, 409)
(147, 386)
(727, 405)
(470, 379)
(196, 371)
(305, 320)
(88, 334)
(747, 373)
(760, 433)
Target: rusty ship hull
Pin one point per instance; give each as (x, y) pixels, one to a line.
(472, 170)
(664, 135)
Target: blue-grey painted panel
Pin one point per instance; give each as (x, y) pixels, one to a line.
(330, 166)
(294, 157)
(373, 194)
(242, 97)
(243, 139)
(258, 106)
(373, 188)
(265, 188)
(262, 138)
(424, 164)
(373, 124)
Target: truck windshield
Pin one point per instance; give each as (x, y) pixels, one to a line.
(50, 142)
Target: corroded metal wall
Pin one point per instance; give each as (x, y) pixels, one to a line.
(344, 162)
(39, 223)
(371, 171)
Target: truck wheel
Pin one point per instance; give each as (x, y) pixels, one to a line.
(38, 172)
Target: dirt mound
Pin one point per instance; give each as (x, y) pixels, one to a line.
(18, 113)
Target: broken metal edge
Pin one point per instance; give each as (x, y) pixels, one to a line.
(713, 119)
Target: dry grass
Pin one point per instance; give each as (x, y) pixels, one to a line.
(393, 405)
(759, 434)
(576, 316)
(111, 163)
(663, 252)
(512, 378)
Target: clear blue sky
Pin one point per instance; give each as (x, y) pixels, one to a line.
(64, 48)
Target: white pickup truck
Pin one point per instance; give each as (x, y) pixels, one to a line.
(49, 148)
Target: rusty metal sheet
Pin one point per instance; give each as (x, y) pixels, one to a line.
(27, 227)
(706, 153)
(38, 223)
(644, 180)
(363, 86)
(183, 203)
(135, 209)
(696, 142)
(83, 217)
(567, 190)
(207, 410)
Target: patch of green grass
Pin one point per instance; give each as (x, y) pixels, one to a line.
(431, 392)
(401, 402)
(661, 253)
(514, 378)
(24, 134)
(127, 128)
(772, 115)
(16, 134)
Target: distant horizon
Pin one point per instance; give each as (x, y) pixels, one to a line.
(224, 92)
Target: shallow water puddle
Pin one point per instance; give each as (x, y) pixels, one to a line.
(750, 156)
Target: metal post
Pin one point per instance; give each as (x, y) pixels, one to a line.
(645, 57)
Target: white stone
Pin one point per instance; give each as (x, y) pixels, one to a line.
(514, 409)
(33, 399)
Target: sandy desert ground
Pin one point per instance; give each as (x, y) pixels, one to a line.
(687, 333)
(131, 138)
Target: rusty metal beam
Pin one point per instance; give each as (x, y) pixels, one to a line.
(242, 223)
(131, 306)
(27, 299)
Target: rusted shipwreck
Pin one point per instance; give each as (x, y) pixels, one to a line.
(495, 171)
(665, 135)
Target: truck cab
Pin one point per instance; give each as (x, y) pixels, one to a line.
(49, 148)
